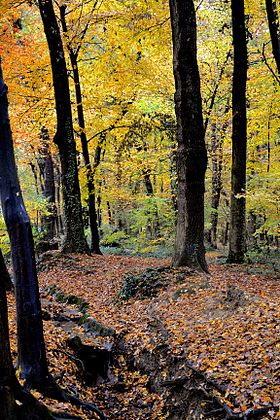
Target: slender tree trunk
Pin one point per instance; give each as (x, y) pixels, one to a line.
(57, 181)
(46, 166)
(251, 229)
(31, 347)
(273, 23)
(217, 162)
(215, 92)
(74, 233)
(81, 119)
(50, 220)
(191, 154)
(237, 239)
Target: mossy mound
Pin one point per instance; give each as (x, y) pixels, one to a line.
(144, 285)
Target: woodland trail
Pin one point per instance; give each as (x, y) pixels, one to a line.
(225, 325)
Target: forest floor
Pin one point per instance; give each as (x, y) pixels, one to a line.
(222, 332)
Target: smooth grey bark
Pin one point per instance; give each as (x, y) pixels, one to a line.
(74, 240)
(191, 153)
(237, 237)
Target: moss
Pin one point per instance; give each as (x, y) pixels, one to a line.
(146, 284)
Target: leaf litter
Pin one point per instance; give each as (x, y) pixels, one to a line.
(226, 325)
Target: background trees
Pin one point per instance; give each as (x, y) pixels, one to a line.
(125, 69)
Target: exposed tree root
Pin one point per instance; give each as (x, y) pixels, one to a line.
(52, 390)
(188, 392)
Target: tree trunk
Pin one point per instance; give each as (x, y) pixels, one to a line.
(7, 376)
(217, 162)
(46, 166)
(4, 274)
(75, 240)
(273, 23)
(15, 403)
(81, 119)
(251, 230)
(191, 154)
(237, 239)
(57, 180)
(31, 347)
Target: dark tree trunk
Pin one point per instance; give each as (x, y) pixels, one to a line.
(15, 403)
(4, 274)
(81, 119)
(109, 213)
(7, 375)
(215, 92)
(217, 165)
(251, 230)
(148, 182)
(49, 221)
(31, 346)
(273, 23)
(74, 233)
(237, 238)
(57, 180)
(191, 154)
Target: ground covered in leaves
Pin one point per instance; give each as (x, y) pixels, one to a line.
(225, 325)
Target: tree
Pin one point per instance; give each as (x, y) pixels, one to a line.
(74, 233)
(273, 23)
(4, 274)
(32, 359)
(15, 403)
(46, 167)
(73, 55)
(237, 239)
(191, 154)
(31, 347)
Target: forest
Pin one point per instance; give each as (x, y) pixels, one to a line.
(139, 221)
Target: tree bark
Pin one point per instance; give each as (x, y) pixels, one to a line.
(191, 154)
(31, 347)
(273, 23)
(7, 378)
(81, 119)
(46, 166)
(15, 403)
(4, 274)
(217, 166)
(75, 240)
(237, 239)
